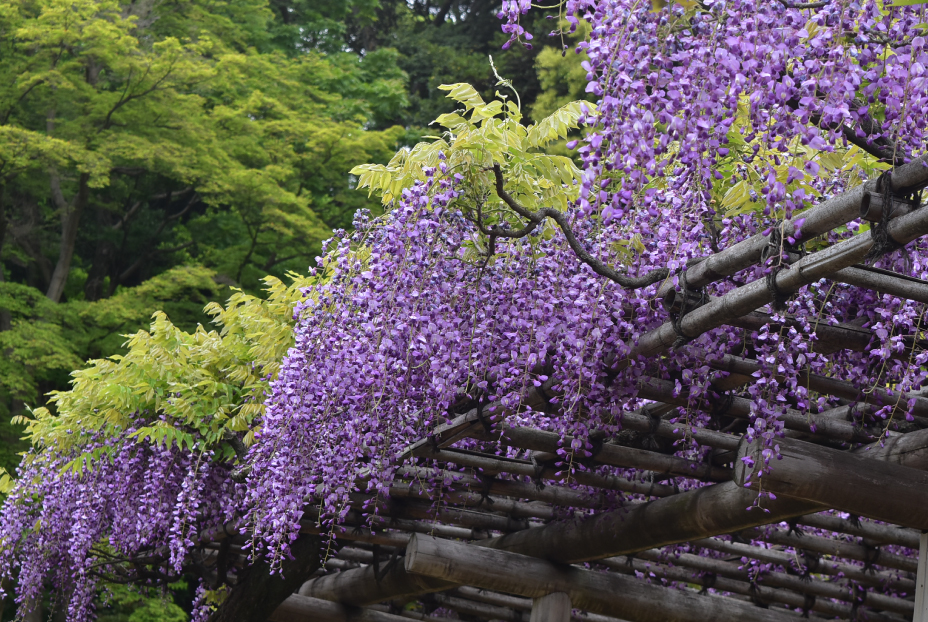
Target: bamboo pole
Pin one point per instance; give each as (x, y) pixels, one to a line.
(756, 294)
(597, 592)
(819, 220)
(884, 282)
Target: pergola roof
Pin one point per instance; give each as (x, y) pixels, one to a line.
(634, 532)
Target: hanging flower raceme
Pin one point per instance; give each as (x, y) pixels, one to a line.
(71, 526)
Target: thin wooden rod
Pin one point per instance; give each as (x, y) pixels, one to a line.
(759, 594)
(872, 577)
(394, 531)
(524, 468)
(884, 534)
(831, 386)
(490, 485)
(615, 455)
(802, 585)
(830, 338)
(836, 548)
(741, 407)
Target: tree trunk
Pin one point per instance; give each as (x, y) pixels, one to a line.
(2, 234)
(6, 319)
(99, 270)
(70, 219)
(255, 597)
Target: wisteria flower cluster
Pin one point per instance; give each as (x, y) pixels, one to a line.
(75, 528)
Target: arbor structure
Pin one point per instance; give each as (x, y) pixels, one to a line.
(697, 364)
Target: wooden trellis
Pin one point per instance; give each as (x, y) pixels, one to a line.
(497, 547)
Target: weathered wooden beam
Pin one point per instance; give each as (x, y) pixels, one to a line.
(304, 608)
(756, 294)
(841, 480)
(553, 607)
(598, 592)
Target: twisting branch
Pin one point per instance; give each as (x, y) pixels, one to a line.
(537, 217)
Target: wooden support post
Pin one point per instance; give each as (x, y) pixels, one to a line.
(921, 581)
(553, 607)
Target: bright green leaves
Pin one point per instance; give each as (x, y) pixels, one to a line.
(190, 388)
(557, 125)
(480, 136)
(468, 95)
